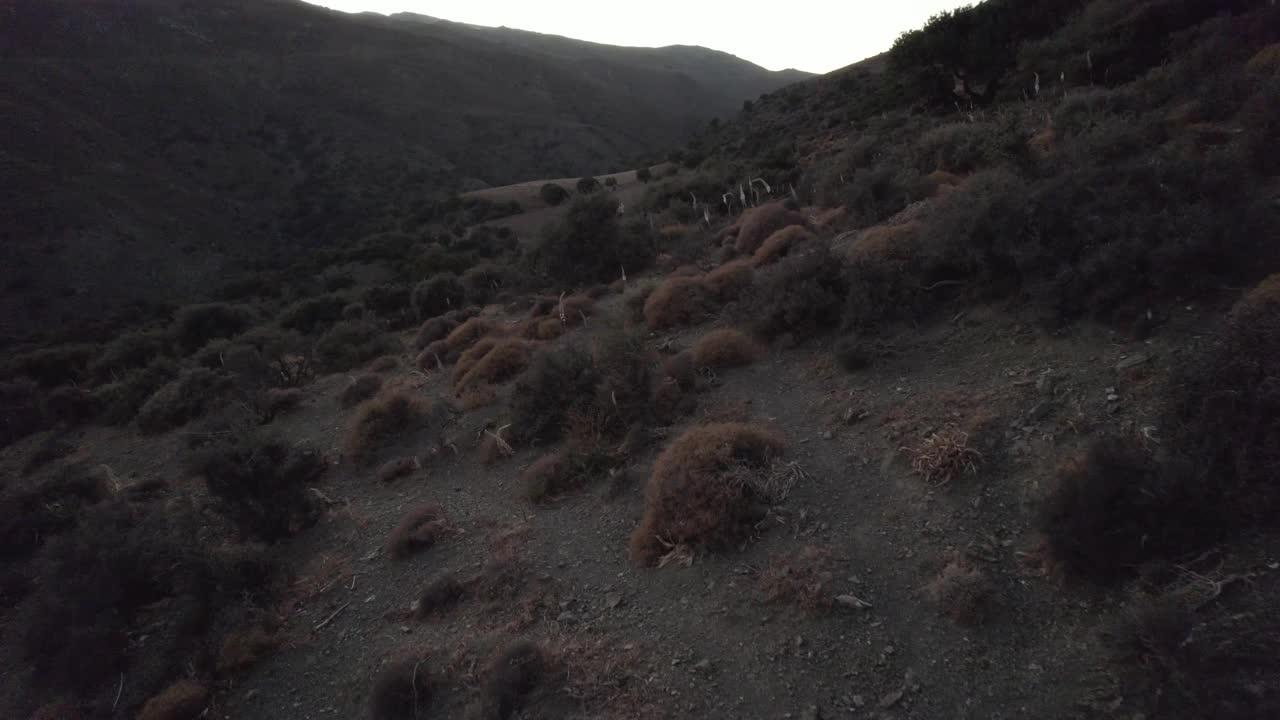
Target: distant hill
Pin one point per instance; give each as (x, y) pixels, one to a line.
(151, 144)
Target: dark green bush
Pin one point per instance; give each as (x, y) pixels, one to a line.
(553, 194)
(392, 303)
(261, 484)
(52, 366)
(128, 352)
(351, 343)
(587, 185)
(313, 314)
(557, 378)
(438, 295)
(192, 394)
(121, 399)
(799, 295)
(644, 174)
(588, 246)
(22, 411)
(195, 325)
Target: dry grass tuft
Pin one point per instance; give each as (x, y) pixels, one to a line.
(245, 648)
(402, 690)
(183, 700)
(466, 334)
(801, 578)
(682, 369)
(360, 389)
(513, 675)
(378, 422)
(440, 595)
(962, 592)
(677, 301)
(1265, 60)
(944, 456)
(416, 531)
(725, 348)
(393, 470)
(477, 396)
(779, 244)
(730, 279)
(503, 361)
(546, 329)
(574, 310)
(435, 356)
(279, 401)
(705, 490)
(887, 242)
(557, 473)
(472, 356)
(761, 222)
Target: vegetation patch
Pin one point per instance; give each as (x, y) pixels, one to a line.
(725, 348)
(418, 530)
(379, 422)
(708, 490)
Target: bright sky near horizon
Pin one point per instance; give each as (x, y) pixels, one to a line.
(814, 35)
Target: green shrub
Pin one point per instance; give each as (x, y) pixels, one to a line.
(52, 366)
(587, 185)
(487, 280)
(128, 352)
(352, 343)
(195, 325)
(121, 399)
(22, 412)
(552, 194)
(192, 394)
(261, 484)
(801, 295)
(588, 246)
(392, 303)
(313, 314)
(438, 295)
(557, 378)
(644, 174)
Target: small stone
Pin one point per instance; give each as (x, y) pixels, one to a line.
(1046, 381)
(826, 435)
(889, 650)
(811, 713)
(858, 701)
(702, 665)
(613, 600)
(406, 629)
(850, 601)
(1132, 361)
(567, 618)
(891, 699)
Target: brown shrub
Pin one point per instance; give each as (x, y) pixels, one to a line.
(938, 181)
(546, 329)
(418, 530)
(437, 328)
(576, 309)
(705, 490)
(944, 456)
(801, 578)
(183, 700)
(690, 271)
(830, 217)
(730, 279)
(466, 334)
(360, 389)
(402, 690)
(505, 360)
(379, 421)
(559, 473)
(513, 675)
(682, 370)
(724, 348)
(887, 242)
(245, 648)
(1266, 60)
(471, 357)
(440, 594)
(58, 710)
(761, 222)
(393, 470)
(677, 301)
(962, 592)
(476, 396)
(386, 363)
(435, 356)
(779, 244)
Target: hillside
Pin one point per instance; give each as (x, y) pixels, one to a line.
(945, 386)
(153, 147)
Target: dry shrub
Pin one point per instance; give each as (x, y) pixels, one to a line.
(440, 595)
(725, 348)
(513, 675)
(183, 700)
(471, 357)
(802, 578)
(779, 244)
(466, 334)
(1265, 60)
(279, 401)
(437, 328)
(58, 710)
(761, 222)
(491, 451)
(393, 470)
(194, 393)
(575, 309)
(689, 271)
(360, 389)
(386, 363)
(378, 422)
(703, 492)
(245, 648)
(937, 182)
(558, 473)
(546, 329)
(886, 243)
(677, 301)
(730, 279)
(401, 691)
(682, 369)
(436, 356)
(962, 592)
(416, 531)
(505, 360)
(944, 456)
(830, 217)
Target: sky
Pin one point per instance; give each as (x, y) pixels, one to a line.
(813, 35)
